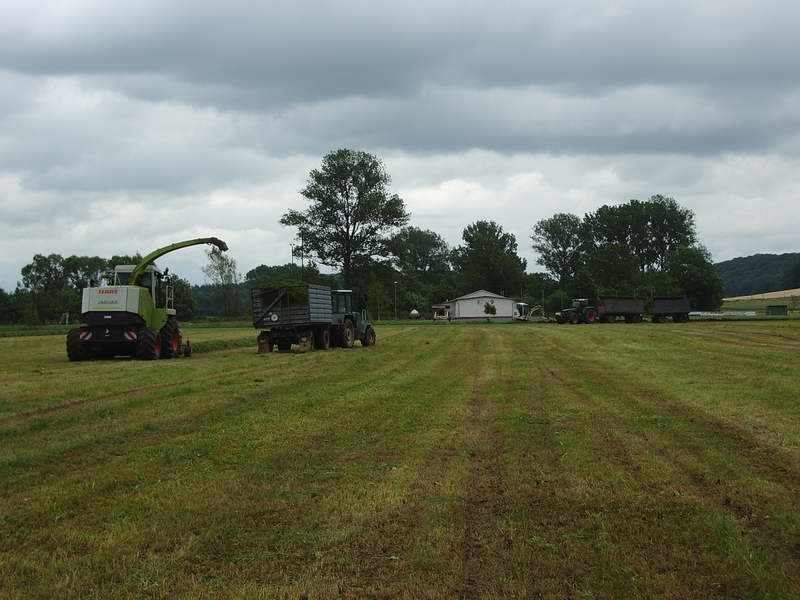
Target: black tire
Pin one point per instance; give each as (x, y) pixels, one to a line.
(322, 338)
(348, 334)
(171, 339)
(574, 319)
(76, 349)
(369, 338)
(149, 346)
(264, 343)
(590, 316)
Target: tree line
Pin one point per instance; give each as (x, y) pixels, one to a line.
(359, 229)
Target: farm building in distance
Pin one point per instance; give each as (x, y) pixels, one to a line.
(480, 305)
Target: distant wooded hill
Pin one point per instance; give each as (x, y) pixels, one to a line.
(756, 274)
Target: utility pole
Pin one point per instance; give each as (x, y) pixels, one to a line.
(302, 253)
(395, 301)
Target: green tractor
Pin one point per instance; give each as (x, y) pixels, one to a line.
(580, 312)
(134, 315)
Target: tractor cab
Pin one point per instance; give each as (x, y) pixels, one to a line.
(342, 302)
(579, 303)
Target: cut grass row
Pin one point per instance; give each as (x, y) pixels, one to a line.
(446, 462)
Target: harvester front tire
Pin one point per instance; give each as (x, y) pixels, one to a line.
(348, 334)
(369, 338)
(171, 338)
(149, 346)
(76, 350)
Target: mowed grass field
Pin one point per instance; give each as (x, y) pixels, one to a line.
(485, 461)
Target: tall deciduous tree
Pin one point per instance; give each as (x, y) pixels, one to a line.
(692, 270)
(222, 271)
(352, 211)
(557, 240)
(488, 259)
(420, 252)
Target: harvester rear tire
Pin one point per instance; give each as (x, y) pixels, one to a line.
(171, 338)
(149, 346)
(369, 338)
(76, 350)
(348, 334)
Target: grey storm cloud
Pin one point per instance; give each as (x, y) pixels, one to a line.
(209, 115)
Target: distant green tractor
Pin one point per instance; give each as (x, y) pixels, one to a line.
(134, 315)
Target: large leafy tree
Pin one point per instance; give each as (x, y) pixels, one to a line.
(223, 272)
(352, 211)
(48, 282)
(488, 259)
(420, 252)
(692, 270)
(558, 242)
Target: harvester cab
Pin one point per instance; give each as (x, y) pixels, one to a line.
(134, 314)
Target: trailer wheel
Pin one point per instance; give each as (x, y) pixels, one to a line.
(76, 350)
(264, 343)
(149, 346)
(369, 338)
(348, 334)
(323, 338)
(171, 338)
(590, 316)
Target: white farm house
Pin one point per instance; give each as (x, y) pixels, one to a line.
(482, 305)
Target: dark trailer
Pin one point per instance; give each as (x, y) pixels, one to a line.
(677, 308)
(611, 307)
(307, 314)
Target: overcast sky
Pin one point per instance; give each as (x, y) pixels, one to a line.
(128, 125)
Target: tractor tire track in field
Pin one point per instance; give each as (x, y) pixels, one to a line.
(44, 411)
(687, 460)
(484, 501)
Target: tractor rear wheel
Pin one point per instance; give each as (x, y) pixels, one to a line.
(369, 338)
(76, 350)
(590, 316)
(149, 346)
(171, 338)
(348, 334)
